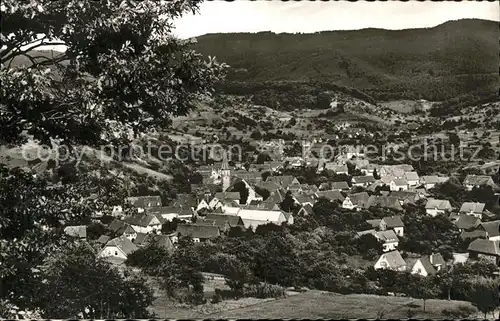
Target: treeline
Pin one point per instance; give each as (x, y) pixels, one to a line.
(287, 95)
(452, 106)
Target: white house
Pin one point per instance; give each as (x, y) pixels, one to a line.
(392, 261)
(389, 238)
(474, 209)
(144, 223)
(398, 184)
(412, 178)
(435, 206)
(119, 247)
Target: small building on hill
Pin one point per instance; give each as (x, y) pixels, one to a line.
(391, 261)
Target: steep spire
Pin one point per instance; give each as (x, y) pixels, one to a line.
(225, 164)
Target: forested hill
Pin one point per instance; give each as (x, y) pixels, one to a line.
(437, 63)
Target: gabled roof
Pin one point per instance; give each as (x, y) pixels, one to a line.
(492, 228)
(284, 181)
(79, 231)
(371, 231)
(363, 179)
(467, 222)
(438, 204)
(404, 195)
(473, 234)
(411, 176)
(331, 195)
(477, 180)
(144, 201)
(387, 236)
(198, 231)
(117, 226)
(123, 244)
(161, 240)
(220, 220)
(427, 265)
(485, 247)
(304, 198)
(164, 210)
(340, 185)
(269, 186)
(307, 209)
(394, 259)
(359, 199)
(393, 221)
(143, 219)
(385, 202)
(437, 259)
(429, 179)
(103, 239)
(400, 182)
(470, 207)
(140, 239)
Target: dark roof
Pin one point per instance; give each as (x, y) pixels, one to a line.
(485, 247)
(374, 223)
(228, 196)
(467, 222)
(492, 228)
(472, 207)
(340, 185)
(307, 208)
(359, 199)
(393, 221)
(477, 180)
(331, 195)
(161, 240)
(139, 239)
(117, 226)
(198, 231)
(123, 244)
(437, 259)
(220, 220)
(427, 265)
(103, 239)
(473, 234)
(143, 219)
(171, 210)
(385, 201)
(284, 181)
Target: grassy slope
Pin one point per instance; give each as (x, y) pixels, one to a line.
(461, 55)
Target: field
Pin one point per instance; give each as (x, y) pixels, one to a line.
(312, 304)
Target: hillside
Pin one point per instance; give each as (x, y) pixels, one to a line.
(436, 63)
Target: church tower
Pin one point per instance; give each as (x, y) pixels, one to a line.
(225, 173)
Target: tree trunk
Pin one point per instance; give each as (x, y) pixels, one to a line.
(424, 305)
(449, 294)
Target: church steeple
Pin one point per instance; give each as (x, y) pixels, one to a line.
(225, 172)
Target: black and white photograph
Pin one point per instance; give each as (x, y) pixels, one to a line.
(249, 159)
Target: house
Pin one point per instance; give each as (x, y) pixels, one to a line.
(144, 223)
(392, 261)
(405, 197)
(102, 240)
(467, 222)
(472, 181)
(396, 171)
(481, 248)
(474, 209)
(78, 231)
(472, 235)
(340, 186)
(224, 222)
(429, 181)
(119, 247)
(384, 202)
(412, 178)
(117, 227)
(168, 213)
(254, 218)
(398, 184)
(428, 265)
(435, 206)
(305, 210)
(285, 181)
(164, 241)
(225, 197)
(392, 223)
(303, 199)
(330, 195)
(492, 230)
(144, 202)
(129, 233)
(389, 239)
(356, 201)
(362, 181)
(198, 232)
(337, 169)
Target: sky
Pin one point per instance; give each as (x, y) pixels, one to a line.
(311, 16)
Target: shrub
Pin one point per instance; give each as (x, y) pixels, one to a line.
(263, 291)
(463, 311)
